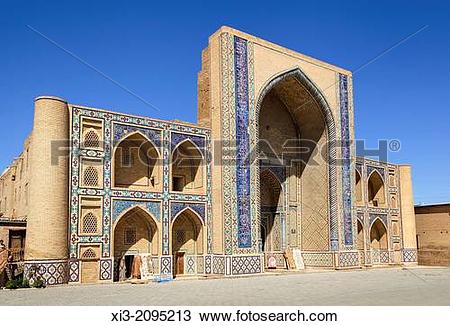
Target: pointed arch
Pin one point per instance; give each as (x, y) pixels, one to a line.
(187, 237)
(136, 163)
(187, 167)
(138, 209)
(141, 222)
(89, 254)
(193, 145)
(378, 235)
(285, 84)
(190, 211)
(140, 134)
(376, 194)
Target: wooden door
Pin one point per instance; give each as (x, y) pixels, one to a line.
(180, 263)
(89, 271)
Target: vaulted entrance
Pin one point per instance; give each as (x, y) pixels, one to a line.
(135, 237)
(187, 241)
(293, 145)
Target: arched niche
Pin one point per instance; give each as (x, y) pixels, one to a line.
(271, 208)
(378, 236)
(187, 168)
(375, 190)
(136, 164)
(187, 238)
(296, 129)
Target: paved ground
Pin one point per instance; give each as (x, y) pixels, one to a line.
(392, 286)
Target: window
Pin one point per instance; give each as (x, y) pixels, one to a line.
(90, 177)
(375, 191)
(89, 224)
(92, 130)
(89, 254)
(91, 139)
(187, 161)
(129, 236)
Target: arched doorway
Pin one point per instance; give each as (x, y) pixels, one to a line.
(135, 235)
(187, 239)
(379, 243)
(375, 190)
(378, 236)
(295, 130)
(271, 210)
(136, 164)
(187, 168)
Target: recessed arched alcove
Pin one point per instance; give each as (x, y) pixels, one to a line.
(295, 124)
(136, 164)
(375, 190)
(188, 168)
(187, 238)
(378, 236)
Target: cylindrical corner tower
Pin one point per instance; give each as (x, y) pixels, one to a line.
(46, 248)
(409, 249)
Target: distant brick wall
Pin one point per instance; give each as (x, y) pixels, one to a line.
(434, 257)
(433, 234)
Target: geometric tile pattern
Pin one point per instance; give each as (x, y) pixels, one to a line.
(121, 131)
(371, 168)
(218, 265)
(177, 138)
(318, 259)
(74, 271)
(190, 265)
(51, 272)
(382, 217)
(208, 264)
(176, 207)
(409, 255)
(116, 126)
(244, 235)
(240, 224)
(346, 161)
(349, 259)
(166, 265)
(241, 265)
(119, 206)
(105, 269)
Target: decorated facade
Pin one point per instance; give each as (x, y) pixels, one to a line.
(269, 167)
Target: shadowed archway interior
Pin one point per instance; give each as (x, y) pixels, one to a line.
(293, 138)
(136, 164)
(378, 235)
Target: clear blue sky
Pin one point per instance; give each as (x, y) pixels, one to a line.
(153, 48)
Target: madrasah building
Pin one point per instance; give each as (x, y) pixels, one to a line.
(269, 167)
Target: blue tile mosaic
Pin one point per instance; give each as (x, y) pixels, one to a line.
(120, 131)
(242, 144)
(120, 206)
(346, 160)
(176, 207)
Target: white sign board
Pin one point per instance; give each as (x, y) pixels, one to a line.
(299, 264)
